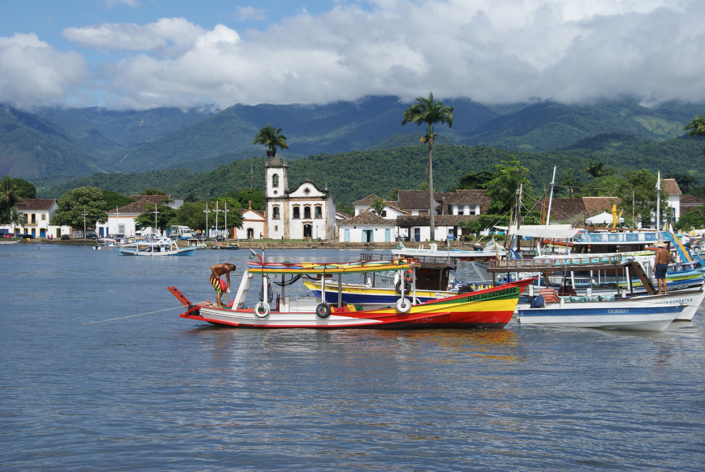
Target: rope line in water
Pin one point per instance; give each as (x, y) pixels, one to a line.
(132, 316)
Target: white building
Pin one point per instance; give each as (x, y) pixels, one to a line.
(303, 213)
(674, 196)
(367, 227)
(122, 221)
(37, 214)
(254, 225)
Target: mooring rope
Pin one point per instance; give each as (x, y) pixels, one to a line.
(132, 316)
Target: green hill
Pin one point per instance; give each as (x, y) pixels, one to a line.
(31, 147)
(354, 175)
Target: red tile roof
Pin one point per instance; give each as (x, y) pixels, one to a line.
(671, 187)
(367, 218)
(597, 205)
(367, 200)
(35, 204)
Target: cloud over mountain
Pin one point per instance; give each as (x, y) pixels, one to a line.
(489, 50)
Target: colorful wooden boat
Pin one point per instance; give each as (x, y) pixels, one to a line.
(491, 308)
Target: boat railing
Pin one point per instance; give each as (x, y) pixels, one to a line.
(449, 262)
(558, 264)
(604, 237)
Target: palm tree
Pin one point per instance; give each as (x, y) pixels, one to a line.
(696, 127)
(427, 111)
(8, 193)
(569, 181)
(270, 137)
(378, 206)
(598, 169)
(17, 218)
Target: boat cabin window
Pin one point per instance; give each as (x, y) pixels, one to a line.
(431, 279)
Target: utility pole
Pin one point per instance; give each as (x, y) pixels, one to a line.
(216, 218)
(117, 220)
(156, 228)
(84, 221)
(206, 211)
(658, 202)
(225, 212)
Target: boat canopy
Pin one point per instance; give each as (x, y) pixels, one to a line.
(542, 231)
(329, 268)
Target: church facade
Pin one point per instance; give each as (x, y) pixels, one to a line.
(303, 213)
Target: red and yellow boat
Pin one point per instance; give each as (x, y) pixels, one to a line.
(489, 308)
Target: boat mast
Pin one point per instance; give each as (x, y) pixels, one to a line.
(658, 202)
(550, 200)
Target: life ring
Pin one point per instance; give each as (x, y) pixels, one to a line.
(403, 305)
(262, 310)
(407, 286)
(323, 310)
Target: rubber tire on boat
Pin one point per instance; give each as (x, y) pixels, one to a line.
(465, 289)
(403, 305)
(262, 305)
(323, 310)
(407, 286)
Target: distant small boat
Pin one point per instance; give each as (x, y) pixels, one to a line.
(164, 247)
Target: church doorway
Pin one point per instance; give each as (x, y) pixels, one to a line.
(307, 231)
(250, 233)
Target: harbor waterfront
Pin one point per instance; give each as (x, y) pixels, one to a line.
(88, 385)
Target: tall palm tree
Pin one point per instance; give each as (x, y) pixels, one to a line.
(17, 218)
(378, 206)
(696, 127)
(270, 137)
(429, 112)
(597, 169)
(8, 193)
(569, 181)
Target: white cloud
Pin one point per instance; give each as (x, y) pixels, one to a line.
(250, 13)
(33, 73)
(130, 3)
(488, 50)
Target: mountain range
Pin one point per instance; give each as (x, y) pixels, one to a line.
(53, 145)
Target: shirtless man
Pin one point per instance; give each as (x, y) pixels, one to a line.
(663, 257)
(216, 271)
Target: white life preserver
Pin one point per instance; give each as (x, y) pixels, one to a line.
(403, 305)
(262, 310)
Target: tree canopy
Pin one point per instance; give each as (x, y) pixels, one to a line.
(71, 206)
(503, 186)
(164, 217)
(270, 137)
(637, 189)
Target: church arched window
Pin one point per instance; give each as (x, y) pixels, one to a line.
(297, 212)
(317, 212)
(275, 181)
(275, 213)
(307, 212)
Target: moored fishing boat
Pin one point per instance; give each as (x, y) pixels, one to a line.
(160, 247)
(490, 308)
(640, 314)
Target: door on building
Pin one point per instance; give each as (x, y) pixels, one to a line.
(58, 233)
(307, 231)
(42, 233)
(387, 235)
(417, 234)
(101, 231)
(250, 233)
(367, 236)
(347, 235)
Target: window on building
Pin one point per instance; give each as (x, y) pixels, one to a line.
(307, 212)
(317, 212)
(384, 213)
(44, 216)
(275, 213)
(121, 229)
(466, 210)
(297, 213)
(275, 181)
(34, 218)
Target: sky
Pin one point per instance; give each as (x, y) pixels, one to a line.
(142, 54)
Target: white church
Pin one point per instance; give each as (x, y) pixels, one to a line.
(303, 213)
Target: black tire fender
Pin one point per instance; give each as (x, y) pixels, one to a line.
(323, 310)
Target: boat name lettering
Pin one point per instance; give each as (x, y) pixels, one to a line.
(617, 311)
(499, 293)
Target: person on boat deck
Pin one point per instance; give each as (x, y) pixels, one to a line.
(217, 283)
(663, 257)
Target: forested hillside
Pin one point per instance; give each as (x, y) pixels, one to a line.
(354, 175)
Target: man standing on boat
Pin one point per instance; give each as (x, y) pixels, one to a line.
(217, 283)
(663, 257)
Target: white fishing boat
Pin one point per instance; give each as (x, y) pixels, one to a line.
(156, 248)
(647, 313)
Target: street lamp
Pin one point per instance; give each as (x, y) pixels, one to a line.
(206, 211)
(216, 217)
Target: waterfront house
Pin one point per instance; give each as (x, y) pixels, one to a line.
(367, 227)
(37, 214)
(122, 221)
(254, 225)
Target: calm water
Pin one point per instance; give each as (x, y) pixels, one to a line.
(157, 392)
